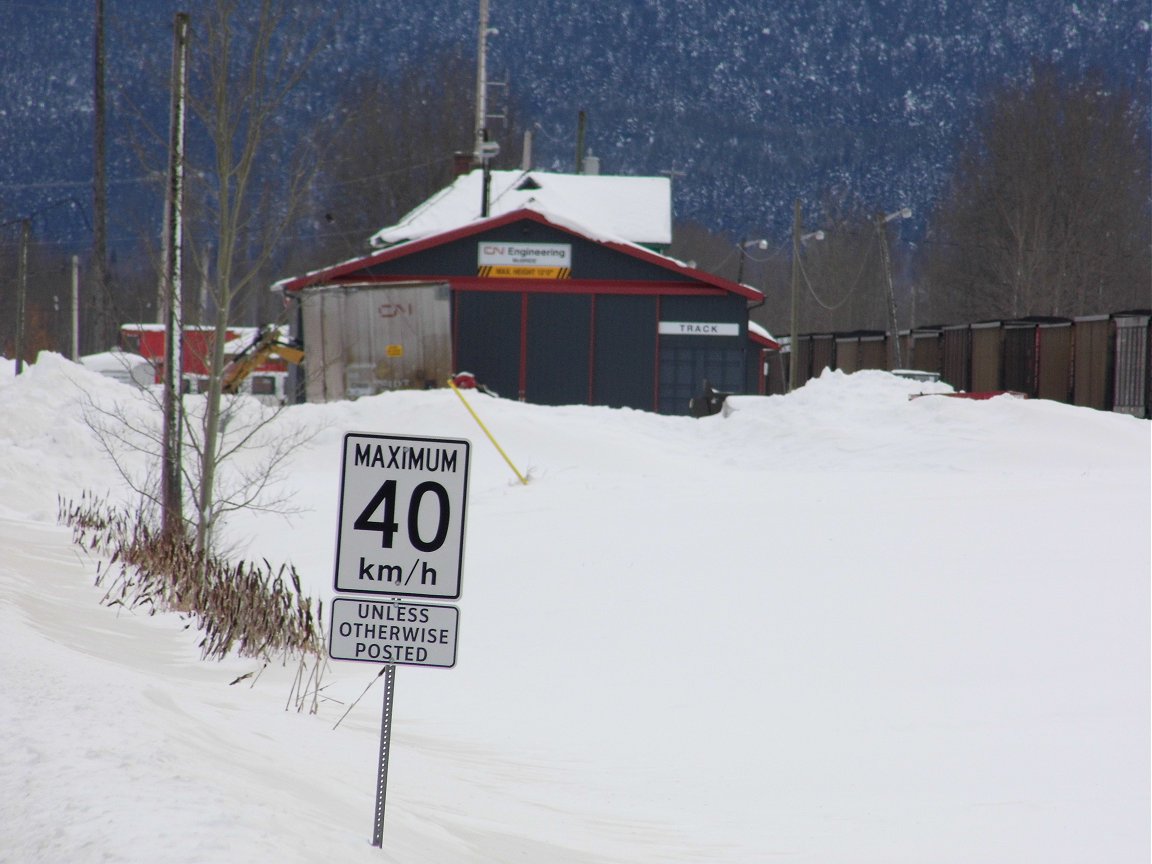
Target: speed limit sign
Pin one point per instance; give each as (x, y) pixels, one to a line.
(402, 508)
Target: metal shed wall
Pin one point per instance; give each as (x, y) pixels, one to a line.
(553, 348)
(487, 332)
(557, 368)
(624, 345)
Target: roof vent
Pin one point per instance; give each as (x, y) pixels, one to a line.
(527, 184)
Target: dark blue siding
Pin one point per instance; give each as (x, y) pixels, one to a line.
(559, 332)
(488, 340)
(624, 373)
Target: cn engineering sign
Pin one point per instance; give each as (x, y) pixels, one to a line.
(401, 523)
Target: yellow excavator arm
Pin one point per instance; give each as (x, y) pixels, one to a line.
(267, 344)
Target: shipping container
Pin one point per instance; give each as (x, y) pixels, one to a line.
(1019, 357)
(1131, 382)
(802, 357)
(872, 352)
(987, 357)
(1091, 362)
(823, 353)
(956, 357)
(1054, 366)
(924, 352)
(848, 353)
(372, 338)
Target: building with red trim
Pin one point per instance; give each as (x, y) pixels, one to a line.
(537, 308)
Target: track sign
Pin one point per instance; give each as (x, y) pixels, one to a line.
(376, 631)
(402, 508)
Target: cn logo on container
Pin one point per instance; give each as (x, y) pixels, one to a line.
(401, 523)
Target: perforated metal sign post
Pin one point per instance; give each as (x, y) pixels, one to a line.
(402, 508)
(385, 749)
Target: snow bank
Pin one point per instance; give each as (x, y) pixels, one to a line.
(839, 625)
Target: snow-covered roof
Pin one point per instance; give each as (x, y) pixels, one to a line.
(753, 327)
(124, 366)
(113, 361)
(533, 211)
(149, 327)
(635, 209)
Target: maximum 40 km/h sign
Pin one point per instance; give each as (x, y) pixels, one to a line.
(401, 523)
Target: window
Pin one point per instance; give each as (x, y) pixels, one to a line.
(263, 385)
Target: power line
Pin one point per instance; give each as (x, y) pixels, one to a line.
(851, 291)
(75, 184)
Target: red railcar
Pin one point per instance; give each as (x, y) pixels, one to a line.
(147, 340)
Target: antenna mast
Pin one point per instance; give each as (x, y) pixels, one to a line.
(485, 149)
(482, 83)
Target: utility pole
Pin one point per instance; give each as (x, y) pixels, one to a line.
(894, 361)
(75, 346)
(171, 285)
(22, 293)
(881, 221)
(794, 341)
(481, 122)
(99, 292)
(485, 149)
(581, 126)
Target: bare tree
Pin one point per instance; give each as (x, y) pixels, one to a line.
(390, 145)
(251, 61)
(47, 301)
(1048, 212)
(131, 435)
(699, 246)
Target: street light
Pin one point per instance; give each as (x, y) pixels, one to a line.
(894, 361)
(797, 240)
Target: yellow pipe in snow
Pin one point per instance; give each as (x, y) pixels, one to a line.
(476, 417)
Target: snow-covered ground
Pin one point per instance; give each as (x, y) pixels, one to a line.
(837, 626)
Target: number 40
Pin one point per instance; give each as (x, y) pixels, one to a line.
(387, 526)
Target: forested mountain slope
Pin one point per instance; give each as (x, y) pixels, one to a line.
(750, 104)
